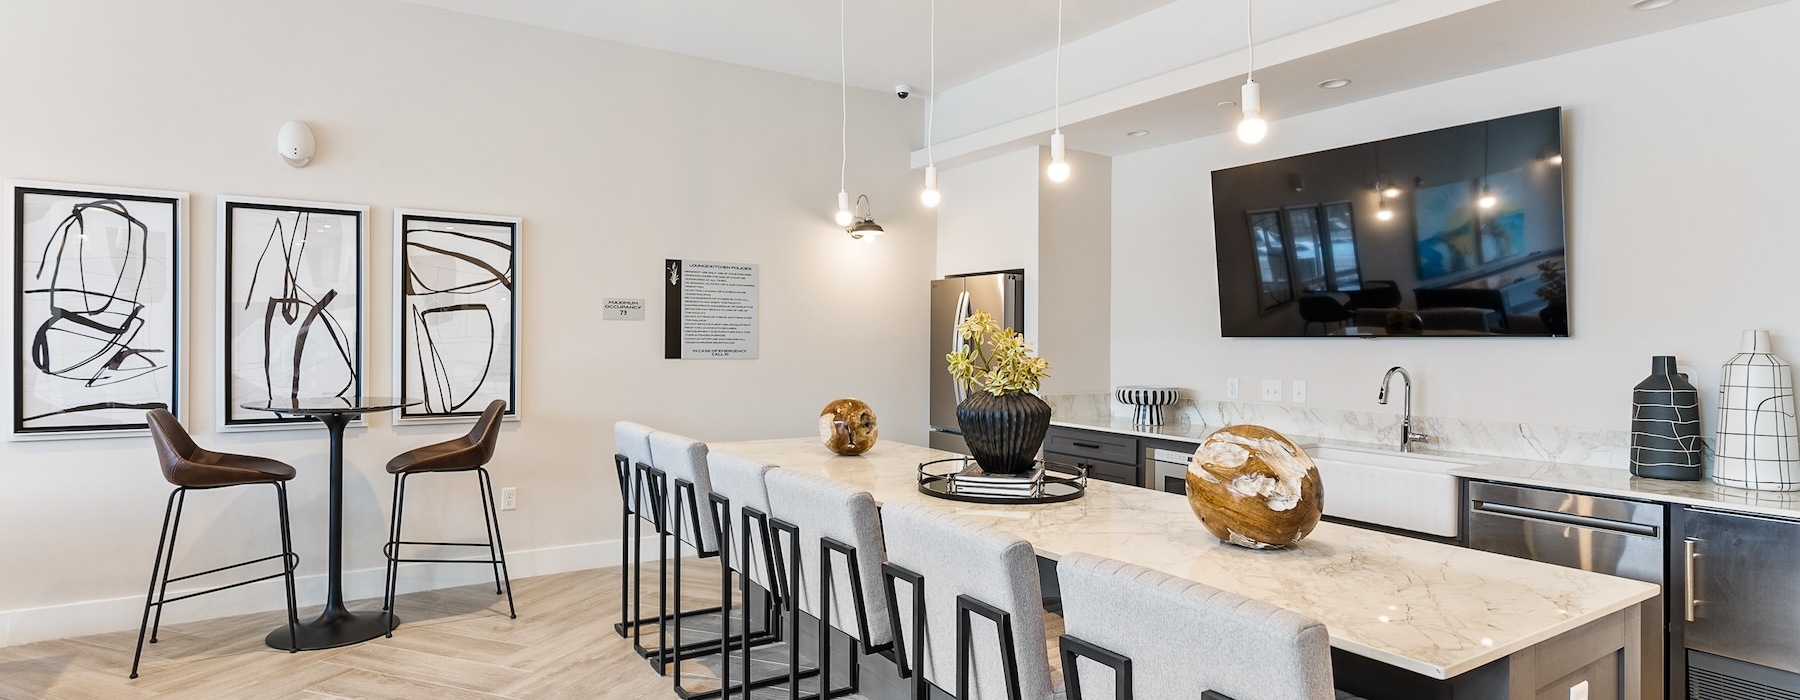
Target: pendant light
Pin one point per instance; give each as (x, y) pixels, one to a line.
(930, 197)
(1252, 129)
(843, 211)
(1059, 164)
(865, 222)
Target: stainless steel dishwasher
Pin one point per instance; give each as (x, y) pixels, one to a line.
(1591, 533)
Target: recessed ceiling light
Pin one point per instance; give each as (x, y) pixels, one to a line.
(1228, 103)
(1138, 132)
(1334, 83)
(1644, 5)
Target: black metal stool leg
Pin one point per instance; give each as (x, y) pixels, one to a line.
(499, 548)
(289, 562)
(162, 593)
(489, 515)
(394, 549)
(390, 572)
(155, 567)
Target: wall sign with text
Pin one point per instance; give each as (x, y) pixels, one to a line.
(712, 310)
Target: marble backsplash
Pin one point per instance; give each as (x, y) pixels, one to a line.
(1538, 442)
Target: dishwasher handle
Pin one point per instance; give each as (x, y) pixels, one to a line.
(1569, 519)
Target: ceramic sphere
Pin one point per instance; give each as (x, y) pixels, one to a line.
(1253, 487)
(847, 426)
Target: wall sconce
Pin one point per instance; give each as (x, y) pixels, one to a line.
(865, 222)
(295, 143)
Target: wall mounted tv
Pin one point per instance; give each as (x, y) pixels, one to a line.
(1455, 232)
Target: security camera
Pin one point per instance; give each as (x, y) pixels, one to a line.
(902, 90)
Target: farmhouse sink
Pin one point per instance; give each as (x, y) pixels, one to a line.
(1399, 490)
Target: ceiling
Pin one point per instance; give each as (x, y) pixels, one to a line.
(993, 46)
(888, 40)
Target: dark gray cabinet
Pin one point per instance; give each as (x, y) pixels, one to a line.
(1107, 456)
(1740, 615)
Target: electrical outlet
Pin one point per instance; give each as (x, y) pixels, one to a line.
(1231, 389)
(1299, 391)
(509, 498)
(1271, 390)
(1579, 691)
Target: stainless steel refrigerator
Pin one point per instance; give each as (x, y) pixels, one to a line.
(1001, 294)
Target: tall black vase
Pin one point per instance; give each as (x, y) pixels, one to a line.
(1003, 432)
(1665, 424)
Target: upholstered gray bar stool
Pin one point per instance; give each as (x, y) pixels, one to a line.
(740, 507)
(685, 479)
(1134, 634)
(471, 452)
(632, 460)
(190, 468)
(832, 563)
(967, 608)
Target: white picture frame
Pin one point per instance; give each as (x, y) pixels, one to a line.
(272, 296)
(127, 346)
(456, 287)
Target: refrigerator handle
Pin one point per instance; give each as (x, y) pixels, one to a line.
(962, 314)
(1691, 552)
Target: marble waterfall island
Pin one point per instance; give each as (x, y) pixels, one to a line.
(1435, 610)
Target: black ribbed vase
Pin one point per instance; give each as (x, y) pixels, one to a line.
(1003, 432)
(1665, 424)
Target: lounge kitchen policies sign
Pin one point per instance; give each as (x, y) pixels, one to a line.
(712, 310)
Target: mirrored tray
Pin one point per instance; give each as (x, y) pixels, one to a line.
(1055, 484)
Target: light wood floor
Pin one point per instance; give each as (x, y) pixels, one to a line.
(453, 644)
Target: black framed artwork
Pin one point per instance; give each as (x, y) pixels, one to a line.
(98, 309)
(292, 281)
(456, 322)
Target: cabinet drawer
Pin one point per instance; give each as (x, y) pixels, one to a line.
(1102, 470)
(1085, 443)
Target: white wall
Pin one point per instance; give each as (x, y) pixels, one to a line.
(988, 221)
(1681, 152)
(1074, 256)
(616, 157)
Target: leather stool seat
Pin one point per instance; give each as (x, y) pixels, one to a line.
(188, 465)
(469, 451)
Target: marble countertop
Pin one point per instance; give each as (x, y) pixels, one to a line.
(1430, 608)
(1603, 481)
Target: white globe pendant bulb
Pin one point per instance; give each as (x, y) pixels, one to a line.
(930, 197)
(1059, 164)
(843, 213)
(1252, 129)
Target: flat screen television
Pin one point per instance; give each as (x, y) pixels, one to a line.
(1456, 232)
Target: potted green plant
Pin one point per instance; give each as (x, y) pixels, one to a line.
(1002, 421)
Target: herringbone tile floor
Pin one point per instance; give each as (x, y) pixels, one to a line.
(454, 644)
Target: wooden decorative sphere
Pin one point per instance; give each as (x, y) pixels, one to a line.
(1253, 487)
(847, 426)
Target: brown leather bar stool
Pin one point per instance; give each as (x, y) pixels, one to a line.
(191, 468)
(471, 452)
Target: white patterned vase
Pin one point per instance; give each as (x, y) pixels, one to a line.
(1757, 444)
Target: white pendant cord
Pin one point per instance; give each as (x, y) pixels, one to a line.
(843, 105)
(844, 217)
(1250, 38)
(1057, 109)
(931, 104)
(1059, 165)
(930, 196)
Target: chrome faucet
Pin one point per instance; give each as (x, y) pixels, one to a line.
(1407, 436)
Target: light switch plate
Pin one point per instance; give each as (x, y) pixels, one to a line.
(1271, 390)
(1299, 391)
(1231, 388)
(1579, 691)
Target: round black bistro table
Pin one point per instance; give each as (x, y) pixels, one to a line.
(337, 626)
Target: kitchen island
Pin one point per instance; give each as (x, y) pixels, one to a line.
(1435, 610)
